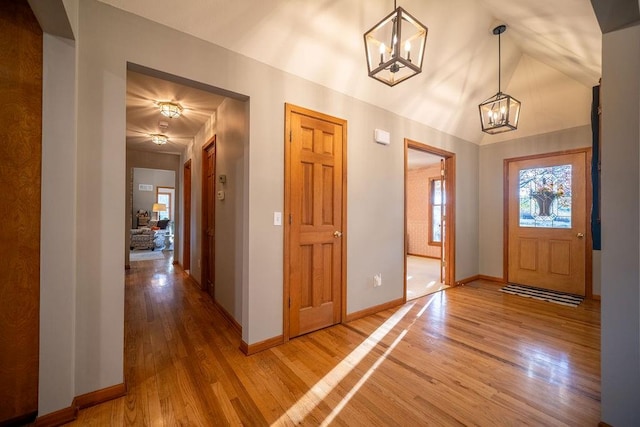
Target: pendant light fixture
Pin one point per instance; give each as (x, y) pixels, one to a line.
(501, 112)
(395, 47)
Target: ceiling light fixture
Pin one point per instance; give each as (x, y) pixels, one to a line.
(159, 139)
(501, 112)
(395, 47)
(170, 109)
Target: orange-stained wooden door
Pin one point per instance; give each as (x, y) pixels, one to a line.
(547, 228)
(186, 238)
(208, 216)
(314, 190)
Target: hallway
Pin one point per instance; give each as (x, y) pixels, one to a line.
(471, 355)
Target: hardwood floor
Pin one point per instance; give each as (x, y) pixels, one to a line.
(467, 355)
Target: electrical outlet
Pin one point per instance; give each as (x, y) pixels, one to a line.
(377, 280)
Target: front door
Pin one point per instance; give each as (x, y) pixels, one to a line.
(314, 215)
(547, 222)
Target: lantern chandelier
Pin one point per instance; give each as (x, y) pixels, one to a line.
(395, 47)
(170, 109)
(501, 112)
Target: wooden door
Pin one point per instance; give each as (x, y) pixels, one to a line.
(208, 216)
(547, 224)
(314, 210)
(20, 176)
(186, 238)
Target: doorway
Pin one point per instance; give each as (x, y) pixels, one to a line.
(548, 238)
(429, 219)
(208, 216)
(315, 221)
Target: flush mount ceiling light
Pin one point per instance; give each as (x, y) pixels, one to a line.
(170, 109)
(159, 139)
(395, 47)
(501, 112)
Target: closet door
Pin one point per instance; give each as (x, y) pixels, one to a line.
(20, 172)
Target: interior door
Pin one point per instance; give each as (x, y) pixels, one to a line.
(186, 238)
(208, 217)
(547, 222)
(314, 196)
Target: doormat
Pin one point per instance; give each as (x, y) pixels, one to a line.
(543, 295)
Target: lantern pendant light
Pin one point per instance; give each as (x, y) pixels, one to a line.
(395, 47)
(501, 112)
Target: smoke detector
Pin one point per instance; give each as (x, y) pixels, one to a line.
(163, 126)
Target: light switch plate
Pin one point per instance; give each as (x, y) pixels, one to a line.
(277, 218)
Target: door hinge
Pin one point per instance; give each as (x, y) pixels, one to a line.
(289, 302)
(290, 218)
(444, 263)
(290, 136)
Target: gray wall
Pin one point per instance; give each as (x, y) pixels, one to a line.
(620, 227)
(230, 124)
(109, 38)
(145, 199)
(491, 190)
(58, 236)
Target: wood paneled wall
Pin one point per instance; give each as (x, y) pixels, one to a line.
(20, 174)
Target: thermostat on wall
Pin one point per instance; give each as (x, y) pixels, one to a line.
(382, 136)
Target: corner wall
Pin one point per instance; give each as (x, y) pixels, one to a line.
(620, 342)
(58, 283)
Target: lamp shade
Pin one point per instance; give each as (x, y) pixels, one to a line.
(159, 207)
(395, 47)
(500, 113)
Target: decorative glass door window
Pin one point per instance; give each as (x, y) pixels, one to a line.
(545, 197)
(437, 203)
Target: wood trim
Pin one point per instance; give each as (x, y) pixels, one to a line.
(66, 415)
(232, 321)
(450, 239)
(603, 424)
(249, 349)
(588, 206)
(596, 297)
(194, 282)
(99, 396)
(20, 420)
(492, 279)
(286, 286)
(468, 280)
(373, 310)
(58, 418)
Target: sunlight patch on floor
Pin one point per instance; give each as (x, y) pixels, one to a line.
(322, 388)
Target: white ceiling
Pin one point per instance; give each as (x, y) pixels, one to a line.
(143, 116)
(548, 42)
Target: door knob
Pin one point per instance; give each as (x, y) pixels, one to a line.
(580, 235)
(337, 234)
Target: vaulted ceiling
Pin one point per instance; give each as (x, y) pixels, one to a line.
(551, 53)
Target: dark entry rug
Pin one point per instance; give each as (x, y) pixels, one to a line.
(543, 294)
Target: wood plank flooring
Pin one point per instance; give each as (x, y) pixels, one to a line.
(470, 355)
